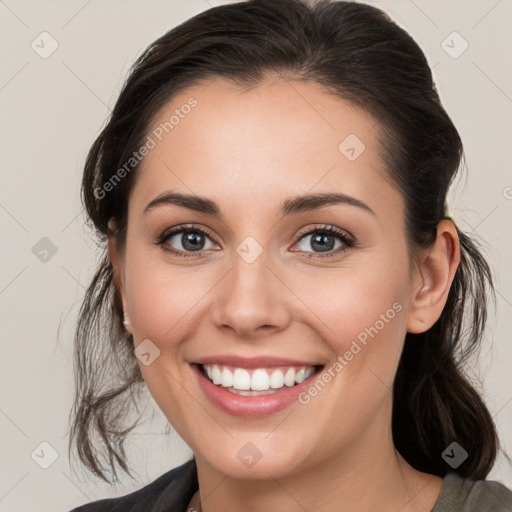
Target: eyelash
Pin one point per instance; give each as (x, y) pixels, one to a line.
(346, 239)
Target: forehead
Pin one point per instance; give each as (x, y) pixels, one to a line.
(278, 138)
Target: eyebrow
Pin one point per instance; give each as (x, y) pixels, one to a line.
(295, 204)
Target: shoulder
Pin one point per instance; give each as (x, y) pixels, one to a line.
(467, 495)
(168, 493)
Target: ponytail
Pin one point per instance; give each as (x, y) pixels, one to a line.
(434, 402)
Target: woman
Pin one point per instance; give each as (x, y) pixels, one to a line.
(282, 272)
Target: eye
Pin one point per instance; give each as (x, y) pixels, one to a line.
(325, 239)
(185, 239)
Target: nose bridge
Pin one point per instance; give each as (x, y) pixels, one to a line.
(251, 296)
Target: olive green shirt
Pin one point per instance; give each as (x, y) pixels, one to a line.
(173, 491)
(465, 495)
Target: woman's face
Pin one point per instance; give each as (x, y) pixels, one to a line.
(261, 286)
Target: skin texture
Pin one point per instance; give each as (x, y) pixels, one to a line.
(249, 151)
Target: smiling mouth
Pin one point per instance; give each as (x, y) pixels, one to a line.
(257, 381)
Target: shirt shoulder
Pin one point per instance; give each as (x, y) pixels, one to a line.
(460, 494)
(171, 492)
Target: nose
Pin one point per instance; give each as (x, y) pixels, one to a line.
(252, 300)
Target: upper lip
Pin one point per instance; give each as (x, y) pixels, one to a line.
(252, 362)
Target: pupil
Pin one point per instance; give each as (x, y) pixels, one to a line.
(323, 246)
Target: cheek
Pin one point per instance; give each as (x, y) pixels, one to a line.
(364, 318)
(161, 296)
(349, 299)
(363, 312)
(162, 299)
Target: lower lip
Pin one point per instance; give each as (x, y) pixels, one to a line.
(250, 406)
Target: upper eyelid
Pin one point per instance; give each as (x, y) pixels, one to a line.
(332, 230)
(181, 228)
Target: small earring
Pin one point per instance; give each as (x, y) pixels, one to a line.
(126, 321)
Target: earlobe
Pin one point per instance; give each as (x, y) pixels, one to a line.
(435, 272)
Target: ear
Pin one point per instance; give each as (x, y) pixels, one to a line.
(435, 274)
(116, 258)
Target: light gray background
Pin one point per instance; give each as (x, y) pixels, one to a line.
(51, 111)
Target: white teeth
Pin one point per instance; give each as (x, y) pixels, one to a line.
(216, 375)
(277, 379)
(289, 378)
(241, 379)
(227, 378)
(300, 376)
(251, 392)
(261, 379)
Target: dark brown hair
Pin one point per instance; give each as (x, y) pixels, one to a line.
(357, 53)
